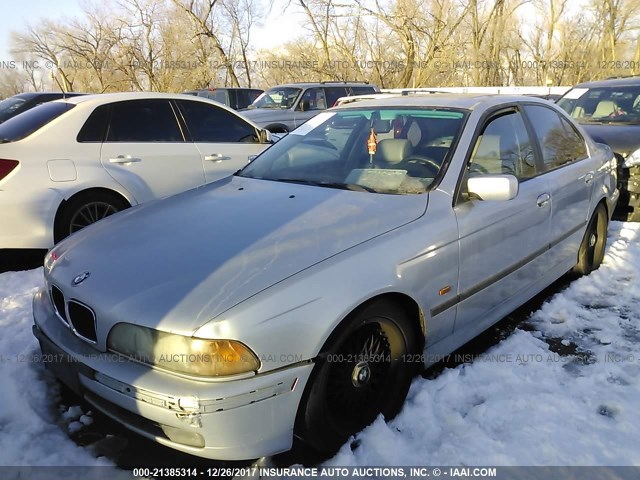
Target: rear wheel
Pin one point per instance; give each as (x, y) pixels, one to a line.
(593, 244)
(85, 209)
(364, 370)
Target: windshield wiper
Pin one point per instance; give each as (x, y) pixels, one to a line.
(339, 185)
(601, 121)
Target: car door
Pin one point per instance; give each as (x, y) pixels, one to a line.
(569, 173)
(145, 150)
(224, 140)
(502, 243)
(310, 103)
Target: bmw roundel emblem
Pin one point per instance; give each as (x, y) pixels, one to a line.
(80, 278)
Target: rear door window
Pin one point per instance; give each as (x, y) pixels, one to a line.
(25, 124)
(143, 121)
(334, 93)
(560, 144)
(362, 90)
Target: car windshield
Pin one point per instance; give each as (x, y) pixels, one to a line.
(611, 105)
(282, 97)
(9, 105)
(387, 150)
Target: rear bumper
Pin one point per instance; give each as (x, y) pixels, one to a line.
(27, 218)
(230, 420)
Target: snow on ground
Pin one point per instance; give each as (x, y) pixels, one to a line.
(30, 420)
(522, 404)
(519, 403)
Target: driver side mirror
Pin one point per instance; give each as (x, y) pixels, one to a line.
(493, 187)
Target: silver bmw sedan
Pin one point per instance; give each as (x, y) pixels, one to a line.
(299, 297)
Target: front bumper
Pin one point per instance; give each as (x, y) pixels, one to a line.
(223, 420)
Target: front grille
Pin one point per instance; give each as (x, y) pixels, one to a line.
(83, 320)
(75, 315)
(58, 302)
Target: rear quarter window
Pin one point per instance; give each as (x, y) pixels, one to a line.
(25, 124)
(362, 90)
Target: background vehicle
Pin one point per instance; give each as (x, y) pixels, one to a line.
(236, 98)
(609, 111)
(12, 106)
(68, 163)
(285, 107)
(309, 288)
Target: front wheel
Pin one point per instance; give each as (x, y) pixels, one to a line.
(85, 209)
(365, 369)
(593, 244)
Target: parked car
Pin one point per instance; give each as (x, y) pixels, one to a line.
(68, 163)
(300, 296)
(12, 106)
(609, 111)
(285, 107)
(236, 98)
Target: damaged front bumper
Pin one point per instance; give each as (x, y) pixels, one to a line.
(223, 420)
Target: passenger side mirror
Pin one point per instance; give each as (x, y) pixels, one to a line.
(493, 187)
(264, 136)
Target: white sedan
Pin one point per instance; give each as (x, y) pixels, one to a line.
(69, 163)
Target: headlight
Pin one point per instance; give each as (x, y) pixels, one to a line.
(192, 356)
(632, 160)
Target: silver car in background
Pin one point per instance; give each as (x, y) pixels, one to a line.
(299, 297)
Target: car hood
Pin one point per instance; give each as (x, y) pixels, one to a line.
(259, 115)
(622, 139)
(177, 263)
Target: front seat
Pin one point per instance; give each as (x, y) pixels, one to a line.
(392, 151)
(604, 108)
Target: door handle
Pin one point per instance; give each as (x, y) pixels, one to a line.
(543, 200)
(216, 157)
(124, 159)
(588, 178)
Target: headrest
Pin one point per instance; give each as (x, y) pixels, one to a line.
(393, 150)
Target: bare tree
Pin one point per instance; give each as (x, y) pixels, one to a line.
(44, 42)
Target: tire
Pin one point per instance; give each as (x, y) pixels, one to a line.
(593, 244)
(365, 369)
(85, 209)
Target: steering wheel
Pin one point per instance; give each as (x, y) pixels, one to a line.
(428, 163)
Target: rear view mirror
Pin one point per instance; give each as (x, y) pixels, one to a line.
(493, 187)
(381, 126)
